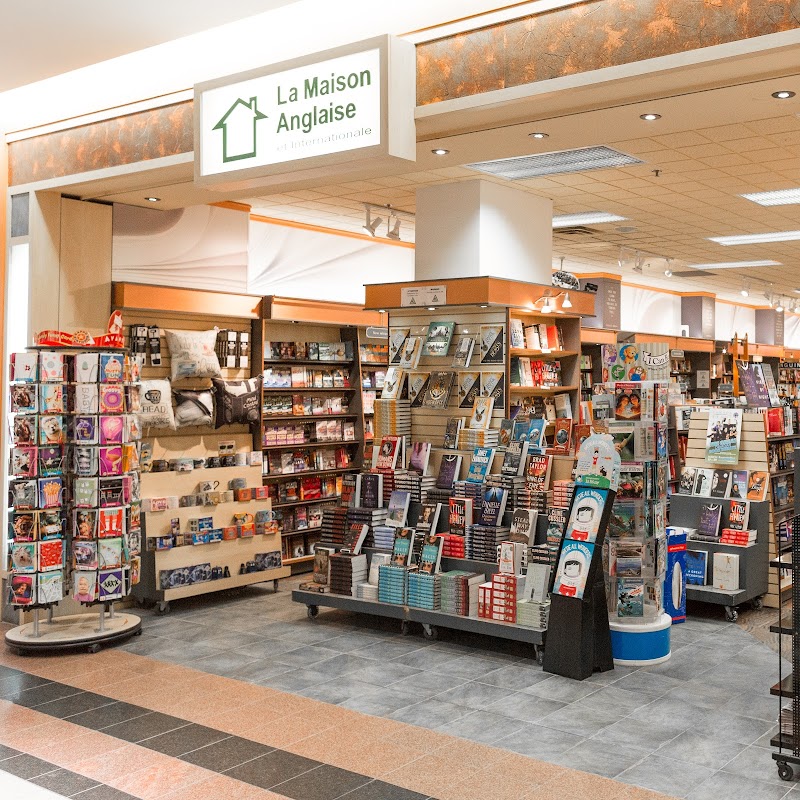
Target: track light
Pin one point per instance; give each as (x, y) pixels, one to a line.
(371, 226)
(745, 291)
(393, 232)
(779, 307)
(566, 302)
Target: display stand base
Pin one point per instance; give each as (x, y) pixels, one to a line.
(74, 632)
(641, 645)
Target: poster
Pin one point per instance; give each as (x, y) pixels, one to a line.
(723, 435)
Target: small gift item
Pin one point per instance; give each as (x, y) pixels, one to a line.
(156, 405)
(154, 340)
(193, 354)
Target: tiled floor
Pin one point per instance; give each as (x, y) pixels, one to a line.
(697, 726)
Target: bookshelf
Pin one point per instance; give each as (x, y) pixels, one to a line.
(373, 359)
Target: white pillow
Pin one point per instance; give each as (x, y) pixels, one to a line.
(156, 402)
(193, 354)
(193, 407)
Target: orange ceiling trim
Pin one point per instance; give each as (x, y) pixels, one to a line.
(233, 205)
(332, 231)
(698, 294)
(740, 305)
(609, 275)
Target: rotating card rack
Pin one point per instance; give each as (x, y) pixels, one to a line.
(41, 576)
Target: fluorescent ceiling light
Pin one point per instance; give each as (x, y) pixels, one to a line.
(782, 197)
(585, 218)
(538, 165)
(736, 264)
(756, 238)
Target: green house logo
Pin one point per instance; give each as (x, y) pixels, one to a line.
(238, 126)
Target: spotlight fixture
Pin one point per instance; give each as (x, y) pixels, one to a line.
(538, 135)
(393, 232)
(153, 199)
(783, 94)
(649, 117)
(371, 226)
(745, 291)
(440, 151)
(566, 302)
(547, 304)
(668, 270)
(779, 307)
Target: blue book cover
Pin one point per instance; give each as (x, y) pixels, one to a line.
(696, 566)
(481, 464)
(536, 432)
(573, 568)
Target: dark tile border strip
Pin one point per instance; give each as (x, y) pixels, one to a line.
(259, 765)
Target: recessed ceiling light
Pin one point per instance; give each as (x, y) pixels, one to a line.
(431, 308)
(153, 199)
(585, 218)
(558, 163)
(538, 135)
(440, 151)
(736, 264)
(650, 117)
(781, 197)
(757, 238)
(484, 305)
(626, 229)
(783, 94)
(381, 310)
(745, 292)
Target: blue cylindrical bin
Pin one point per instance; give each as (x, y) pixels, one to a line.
(640, 644)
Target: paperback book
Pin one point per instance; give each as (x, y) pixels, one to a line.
(514, 459)
(723, 434)
(469, 388)
(431, 555)
(398, 509)
(720, 483)
(708, 523)
(454, 426)
(481, 464)
(449, 470)
(417, 385)
(481, 412)
(491, 339)
(537, 472)
(397, 341)
(437, 393)
(439, 337)
(757, 485)
(393, 383)
(523, 526)
(403, 547)
(587, 511)
(412, 350)
(463, 353)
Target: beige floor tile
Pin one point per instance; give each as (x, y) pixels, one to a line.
(427, 775)
(152, 783)
(221, 788)
(104, 767)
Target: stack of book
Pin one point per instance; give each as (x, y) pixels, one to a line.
(417, 485)
(366, 591)
(424, 590)
(470, 438)
(334, 525)
(392, 418)
(460, 592)
(531, 498)
(513, 485)
(531, 614)
(393, 584)
(471, 490)
(481, 542)
(738, 538)
(367, 516)
(562, 493)
(383, 537)
(347, 571)
(505, 592)
(455, 545)
(389, 483)
(436, 495)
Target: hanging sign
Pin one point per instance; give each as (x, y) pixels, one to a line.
(423, 296)
(330, 108)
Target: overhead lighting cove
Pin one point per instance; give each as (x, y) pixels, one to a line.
(585, 218)
(736, 264)
(757, 238)
(782, 197)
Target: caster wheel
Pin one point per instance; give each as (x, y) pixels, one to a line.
(758, 604)
(138, 633)
(731, 614)
(540, 656)
(785, 771)
(162, 608)
(405, 628)
(312, 611)
(93, 648)
(430, 632)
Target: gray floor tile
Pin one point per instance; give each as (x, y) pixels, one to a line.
(393, 648)
(482, 726)
(734, 727)
(342, 664)
(735, 787)
(74, 704)
(539, 742)
(754, 705)
(526, 707)
(471, 667)
(384, 673)
(107, 715)
(271, 769)
(27, 767)
(269, 648)
(594, 756)
(430, 714)
(323, 783)
(140, 728)
(30, 698)
(260, 670)
(222, 663)
(665, 710)
(339, 690)
(647, 683)
(8, 752)
(296, 680)
(231, 640)
(428, 684)
(515, 677)
(473, 695)
(609, 698)
(564, 690)
(306, 657)
(226, 754)
(700, 694)
(64, 782)
(755, 763)
(428, 659)
(184, 653)
(611, 676)
(184, 740)
(580, 722)
(380, 703)
(702, 750)
(629, 733)
(349, 642)
(664, 775)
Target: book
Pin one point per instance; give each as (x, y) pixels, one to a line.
(491, 341)
(429, 517)
(505, 434)
(562, 436)
(720, 483)
(412, 350)
(454, 425)
(723, 435)
(431, 554)
(628, 400)
(398, 509)
(440, 334)
(514, 459)
(536, 432)
(417, 385)
(687, 480)
(696, 567)
(738, 515)
(757, 485)
(463, 353)
(493, 385)
(630, 597)
(516, 333)
(481, 464)
(702, 483)
(481, 413)
(397, 341)
(371, 490)
(393, 383)
(449, 469)
(403, 546)
(708, 523)
(353, 539)
(420, 455)
(437, 393)
(537, 472)
(586, 512)
(752, 383)
(523, 526)
(739, 481)
(459, 514)
(321, 564)
(573, 568)
(469, 388)
(493, 506)
(388, 452)
(725, 571)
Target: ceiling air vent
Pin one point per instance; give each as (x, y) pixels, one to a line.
(692, 273)
(536, 166)
(574, 230)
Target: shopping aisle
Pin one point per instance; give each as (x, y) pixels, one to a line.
(697, 726)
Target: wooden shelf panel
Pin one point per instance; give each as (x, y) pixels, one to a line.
(303, 362)
(227, 583)
(307, 389)
(332, 443)
(293, 503)
(306, 417)
(540, 390)
(301, 531)
(308, 473)
(542, 355)
(298, 560)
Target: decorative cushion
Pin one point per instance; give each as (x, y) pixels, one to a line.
(193, 407)
(156, 404)
(238, 401)
(193, 354)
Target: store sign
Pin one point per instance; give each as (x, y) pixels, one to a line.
(423, 296)
(328, 108)
(377, 333)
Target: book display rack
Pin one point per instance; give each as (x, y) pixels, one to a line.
(787, 741)
(75, 494)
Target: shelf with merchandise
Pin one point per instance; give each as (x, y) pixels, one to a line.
(271, 362)
(306, 417)
(304, 445)
(308, 473)
(310, 501)
(298, 560)
(307, 389)
(543, 355)
(542, 390)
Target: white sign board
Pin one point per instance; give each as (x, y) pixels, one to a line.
(328, 108)
(423, 296)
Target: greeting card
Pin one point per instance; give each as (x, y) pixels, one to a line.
(24, 495)
(51, 524)
(50, 492)
(51, 588)
(85, 554)
(51, 555)
(85, 586)
(85, 398)
(110, 461)
(51, 367)
(23, 589)
(86, 367)
(111, 585)
(111, 368)
(84, 430)
(110, 553)
(23, 556)
(112, 398)
(24, 397)
(112, 430)
(51, 398)
(51, 430)
(51, 461)
(23, 462)
(23, 430)
(86, 461)
(85, 524)
(84, 492)
(112, 492)
(111, 522)
(24, 526)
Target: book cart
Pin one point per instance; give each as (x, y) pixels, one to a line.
(67, 463)
(787, 742)
(754, 580)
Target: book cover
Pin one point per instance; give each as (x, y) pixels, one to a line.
(586, 512)
(739, 480)
(429, 516)
(493, 385)
(437, 393)
(514, 459)
(493, 506)
(353, 539)
(403, 546)
(412, 350)
(537, 472)
(463, 353)
(720, 483)
(626, 520)
(631, 482)
(398, 509)
(454, 425)
(628, 401)
(459, 514)
(556, 524)
(769, 382)
(417, 385)
(469, 388)
(687, 480)
(481, 416)
(725, 572)
(708, 523)
(438, 339)
(723, 434)
(523, 526)
(388, 452)
(537, 579)
(751, 382)
(580, 433)
(397, 341)
(371, 490)
(562, 436)
(738, 515)
(623, 434)
(431, 555)
(393, 383)
(536, 432)
(702, 483)
(420, 455)
(449, 469)
(757, 485)
(516, 333)
(573, 568)
(491, 339)
(506, 430)
(630, 597)
(481, 464)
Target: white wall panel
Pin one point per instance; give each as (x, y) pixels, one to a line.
(730, 320)
(649, 311)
